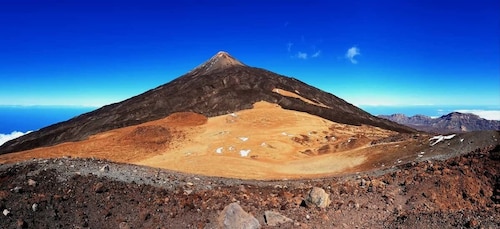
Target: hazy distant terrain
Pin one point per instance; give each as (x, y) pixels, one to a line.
(451, 123)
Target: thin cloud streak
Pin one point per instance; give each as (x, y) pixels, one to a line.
(302, 55)
(316, 54)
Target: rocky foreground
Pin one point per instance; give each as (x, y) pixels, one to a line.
(463, 191)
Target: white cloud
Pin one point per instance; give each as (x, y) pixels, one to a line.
(486, 114)
(316, 54)
(302, 55)
(7, 137)
(351, 53)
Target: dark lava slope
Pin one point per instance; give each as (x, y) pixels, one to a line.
(219, 86)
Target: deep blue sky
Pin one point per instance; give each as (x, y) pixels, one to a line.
(420, 52)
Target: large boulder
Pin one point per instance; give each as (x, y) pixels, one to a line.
(234, 217)
(317, 197)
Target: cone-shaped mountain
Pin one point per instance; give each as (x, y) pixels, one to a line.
(219, 86)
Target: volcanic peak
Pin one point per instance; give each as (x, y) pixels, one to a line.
(220, 61)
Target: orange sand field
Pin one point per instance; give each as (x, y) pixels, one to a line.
(266, 142)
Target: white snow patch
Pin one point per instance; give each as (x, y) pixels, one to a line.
(440, 138)
(243, 139)
(422, 152)
(231, 148)
(263, 144)
(219, 150)
(244, 152)
(234, 115)
(462, 140)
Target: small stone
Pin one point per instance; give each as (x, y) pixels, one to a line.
(317, 197)
(17, 189)
(189, 184)
(31, 182)
(21, 224)
(99, 187)
(233, 216)
(473, 223)
(275, 219)
(362, 183)
(34, 207)
(6, 212)
(124, 225)
(105, 169)
(188, 191)
(308, 217)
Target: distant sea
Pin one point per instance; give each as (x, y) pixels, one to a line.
(31, 118)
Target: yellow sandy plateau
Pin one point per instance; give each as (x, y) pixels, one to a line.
(266, 142)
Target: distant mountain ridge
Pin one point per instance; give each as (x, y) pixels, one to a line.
(452, 122)
(219, 86)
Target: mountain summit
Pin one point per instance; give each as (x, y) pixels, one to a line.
(219, 86)
(220, 61)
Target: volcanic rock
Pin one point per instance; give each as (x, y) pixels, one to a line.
(99, 187)
(31, 182)
(21, 224)
(233, 216)
(317, 197)
(275, 218)
(123, 225)
(6, 212)
(104, 168)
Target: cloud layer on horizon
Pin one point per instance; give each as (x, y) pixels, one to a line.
(486, 114)
(7, 137)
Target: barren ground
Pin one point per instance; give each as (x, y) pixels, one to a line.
(266, 142)
(460, 192)
(375, 178)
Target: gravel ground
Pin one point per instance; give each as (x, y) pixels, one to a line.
(461, 191)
